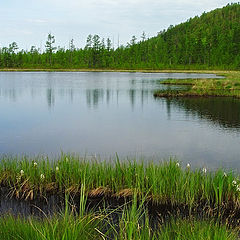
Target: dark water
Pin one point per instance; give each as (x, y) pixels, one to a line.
(105, 113)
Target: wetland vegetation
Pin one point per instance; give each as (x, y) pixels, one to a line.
(226, 87)
(184, 202)
(163, 182)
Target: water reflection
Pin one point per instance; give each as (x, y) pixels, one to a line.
(224, 112)
(50, 97)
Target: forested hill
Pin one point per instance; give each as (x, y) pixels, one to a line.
(211, 41)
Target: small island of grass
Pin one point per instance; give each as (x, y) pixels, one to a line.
(225, 87)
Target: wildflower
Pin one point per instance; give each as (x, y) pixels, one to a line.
(234, 183)
(224, 174)
(21, 172)
(204, 170)
(188, 165)
(34, 164)
(42, 176)
(57, 168)
(238, 188)
(177, 164)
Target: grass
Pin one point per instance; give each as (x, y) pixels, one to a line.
(65, 225)
(133, 224)
(163, 182)
(74, 228)
(226, 87)
(196, 230)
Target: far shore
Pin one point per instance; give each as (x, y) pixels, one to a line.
(116, 70)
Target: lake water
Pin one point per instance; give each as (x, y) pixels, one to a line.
(104, 113)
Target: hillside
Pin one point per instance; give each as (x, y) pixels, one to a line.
(211, 40)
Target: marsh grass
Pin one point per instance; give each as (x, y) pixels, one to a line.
(133, 223)
(196, 230)
(226, 87)
(64, 225)
(163, 182)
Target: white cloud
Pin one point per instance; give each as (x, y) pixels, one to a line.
(38, 21)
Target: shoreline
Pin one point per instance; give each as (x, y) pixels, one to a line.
(117, 70)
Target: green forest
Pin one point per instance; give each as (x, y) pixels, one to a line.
(211, 41)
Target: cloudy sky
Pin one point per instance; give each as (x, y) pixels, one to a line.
(29, 21)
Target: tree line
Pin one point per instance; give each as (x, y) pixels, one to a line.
(211, 41)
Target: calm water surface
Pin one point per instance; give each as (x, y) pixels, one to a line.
(105, 113)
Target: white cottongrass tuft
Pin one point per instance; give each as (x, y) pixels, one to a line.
(188, 165)
(224, 174)
(21, 172)
(42, 176)
(204, 170)
(234, 183)
(57, 168)
(35, 164)
(177, 164)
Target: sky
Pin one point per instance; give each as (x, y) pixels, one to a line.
(28, 22)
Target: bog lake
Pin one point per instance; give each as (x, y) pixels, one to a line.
(104, 113)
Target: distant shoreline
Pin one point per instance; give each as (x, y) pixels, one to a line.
(115, 70)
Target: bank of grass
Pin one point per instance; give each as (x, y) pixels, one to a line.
(162, 182)
(92, 228)
(225, 87)
(133, 223)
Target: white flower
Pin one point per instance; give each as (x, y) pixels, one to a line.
(238, 188)
(35, 164)
(188, 165)
(42, 176)
(21, 172)
(224, 174)
(204, 170)
(234, 183)
(177, 164)
(57, 168)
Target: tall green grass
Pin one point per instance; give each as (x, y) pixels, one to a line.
(133, 224)
(163, 182)
(64, 225)
(196, 230)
